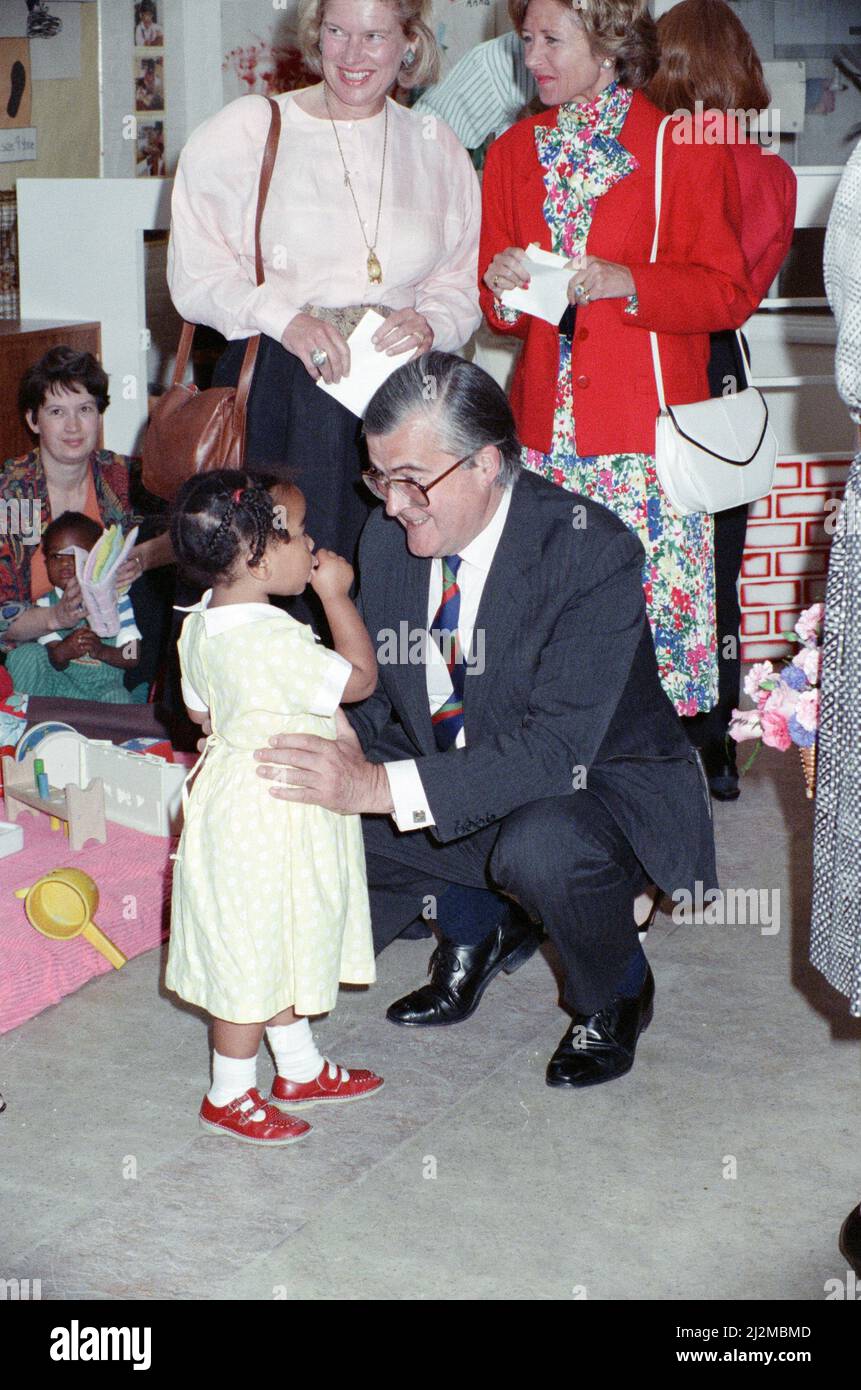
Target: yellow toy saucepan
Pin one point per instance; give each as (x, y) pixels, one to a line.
(62, 905)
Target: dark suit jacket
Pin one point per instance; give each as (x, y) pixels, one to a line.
(569, 682)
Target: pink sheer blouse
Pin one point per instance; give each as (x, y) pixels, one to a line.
(313, 249)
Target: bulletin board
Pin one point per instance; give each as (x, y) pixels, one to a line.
(49, 91)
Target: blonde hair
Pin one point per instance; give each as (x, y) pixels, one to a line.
(619, 29)
(414, 16)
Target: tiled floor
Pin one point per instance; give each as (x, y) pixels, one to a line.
(721, 1167)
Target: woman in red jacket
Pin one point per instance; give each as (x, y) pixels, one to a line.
(579, 180)
(707, 56)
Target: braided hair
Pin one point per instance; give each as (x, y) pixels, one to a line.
(219, 518)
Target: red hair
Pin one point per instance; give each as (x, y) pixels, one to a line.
(707, 55)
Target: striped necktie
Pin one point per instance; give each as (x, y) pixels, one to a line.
(448, 720)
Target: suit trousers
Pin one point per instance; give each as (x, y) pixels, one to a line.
(563, 859)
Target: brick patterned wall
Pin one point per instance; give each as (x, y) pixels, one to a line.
(786, 551)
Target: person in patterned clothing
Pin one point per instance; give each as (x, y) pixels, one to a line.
(62, 398)
(578, 179)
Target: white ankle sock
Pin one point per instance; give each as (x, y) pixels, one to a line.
(231, 1077)
(294, 1050)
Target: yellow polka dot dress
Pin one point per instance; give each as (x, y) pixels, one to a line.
(270, 901)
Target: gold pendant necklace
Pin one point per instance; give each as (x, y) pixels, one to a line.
(375, 270)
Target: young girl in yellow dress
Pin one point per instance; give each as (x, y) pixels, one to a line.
(270, 904)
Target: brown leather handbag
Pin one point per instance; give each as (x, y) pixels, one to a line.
(192, 431)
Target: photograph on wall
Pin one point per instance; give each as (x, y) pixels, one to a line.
(15, 84)
(149, 84)
(148, 32)
(150, 151)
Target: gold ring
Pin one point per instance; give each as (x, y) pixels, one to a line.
(496, 282)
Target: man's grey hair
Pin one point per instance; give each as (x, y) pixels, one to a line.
(464, 406)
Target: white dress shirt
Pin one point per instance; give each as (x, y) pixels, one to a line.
(412, 811)
(311, 241)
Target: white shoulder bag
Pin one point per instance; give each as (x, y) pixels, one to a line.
(715, 454)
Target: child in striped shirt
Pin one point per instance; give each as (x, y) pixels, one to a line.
(74, 663)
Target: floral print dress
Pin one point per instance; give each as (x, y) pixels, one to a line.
(582, 159)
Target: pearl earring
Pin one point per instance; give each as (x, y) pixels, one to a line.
(607, 63)
(409, 58)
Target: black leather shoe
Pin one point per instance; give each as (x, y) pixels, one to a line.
(721, 771)
(850, 1240)
(461, 974)
(599, 1047)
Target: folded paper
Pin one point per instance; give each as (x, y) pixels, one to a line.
(547, 295)
(368, 368)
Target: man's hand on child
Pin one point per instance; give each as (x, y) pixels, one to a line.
(332, 575)
(332, 773)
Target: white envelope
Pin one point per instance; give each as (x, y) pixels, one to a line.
(368, 368)
(547, 295)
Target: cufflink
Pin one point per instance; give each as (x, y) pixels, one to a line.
(419, 817)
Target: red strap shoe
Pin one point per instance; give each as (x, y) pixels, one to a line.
(333, 1084)
(252, 1120)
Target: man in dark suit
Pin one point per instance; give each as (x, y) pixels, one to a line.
(519, 763)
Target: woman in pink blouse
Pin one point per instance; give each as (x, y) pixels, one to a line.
(369, 205)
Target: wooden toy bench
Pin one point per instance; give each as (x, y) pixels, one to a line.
(81, 808)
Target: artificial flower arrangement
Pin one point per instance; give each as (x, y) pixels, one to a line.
(786, 700)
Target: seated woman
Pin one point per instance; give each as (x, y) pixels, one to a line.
(74, 663)
(62, 398)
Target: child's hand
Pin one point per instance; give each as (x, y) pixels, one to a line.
(331, 576)
(88, 643)
(82, 642)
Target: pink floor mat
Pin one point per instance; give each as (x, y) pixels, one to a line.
(133, 874)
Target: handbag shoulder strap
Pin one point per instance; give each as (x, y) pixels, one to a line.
(653, 256)
(653, 337)
(186, 337)
(249, 361)
(269, 156)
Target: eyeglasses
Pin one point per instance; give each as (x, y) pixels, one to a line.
(415, 493)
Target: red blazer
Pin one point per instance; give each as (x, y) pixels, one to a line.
(698, 285)
(768, 191)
